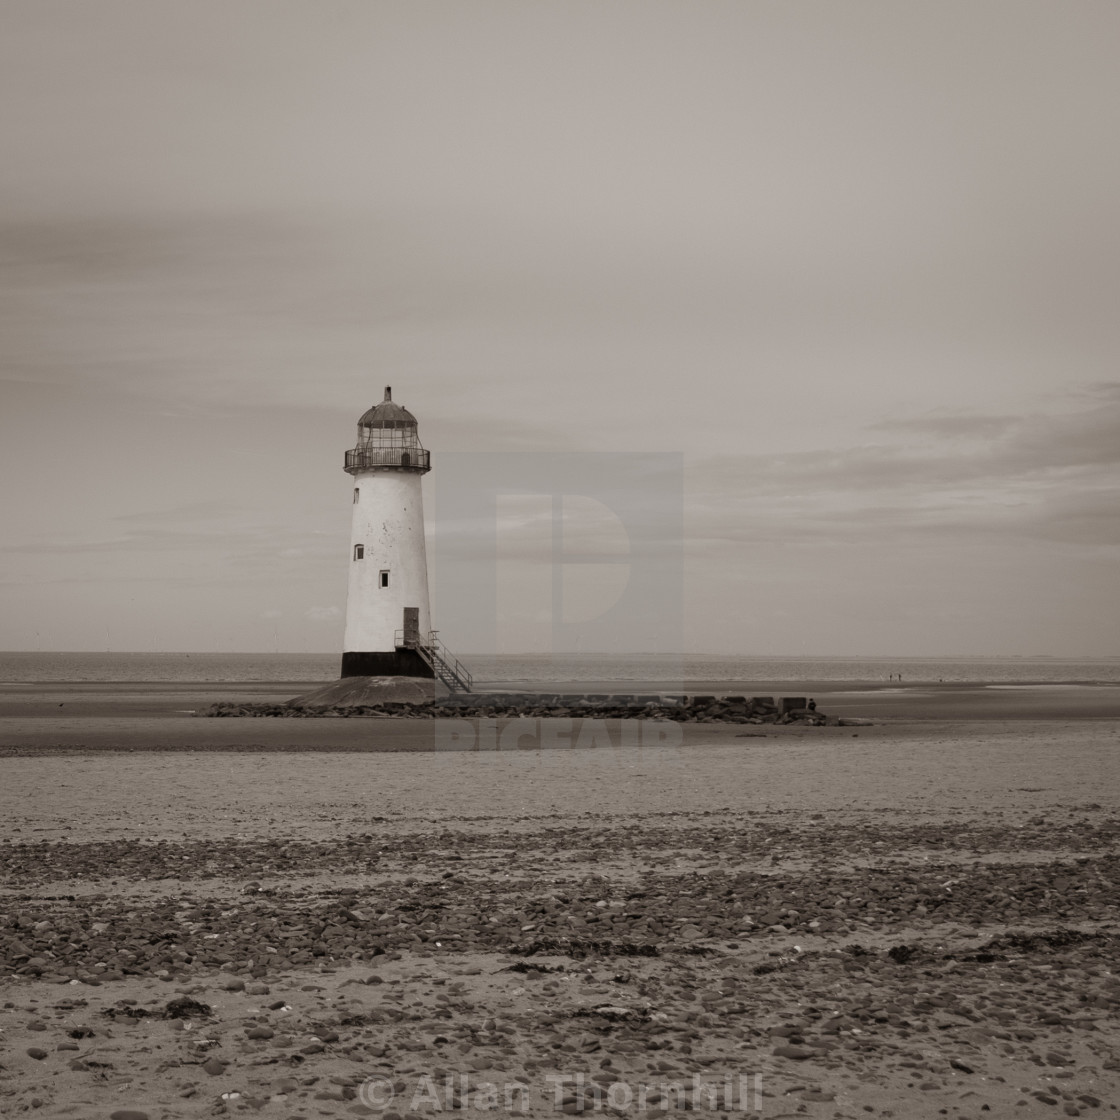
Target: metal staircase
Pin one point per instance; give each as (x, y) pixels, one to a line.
(447, 668)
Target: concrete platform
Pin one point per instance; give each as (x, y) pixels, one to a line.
(368, 690)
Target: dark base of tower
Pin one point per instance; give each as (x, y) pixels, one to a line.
(398, 663)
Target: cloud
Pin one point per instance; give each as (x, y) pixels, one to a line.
(153, 540)
(1055, 477)
(954, 452)
(322, 614)
(950, 426)
(184, 513)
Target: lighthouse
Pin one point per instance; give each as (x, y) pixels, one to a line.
(388, 623)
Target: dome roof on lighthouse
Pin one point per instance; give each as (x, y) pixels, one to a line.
(387, 414)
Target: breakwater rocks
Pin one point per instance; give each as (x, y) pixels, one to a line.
(677, 708)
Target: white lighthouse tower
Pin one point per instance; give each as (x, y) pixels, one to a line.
(387, 617)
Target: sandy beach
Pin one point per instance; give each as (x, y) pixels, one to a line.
(294, 918)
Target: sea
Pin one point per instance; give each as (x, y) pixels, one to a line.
(537, 669)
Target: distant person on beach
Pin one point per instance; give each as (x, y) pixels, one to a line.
(812, 705)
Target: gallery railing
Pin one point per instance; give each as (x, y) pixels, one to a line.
(400, 458)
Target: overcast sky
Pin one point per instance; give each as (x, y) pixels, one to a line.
(859, 262)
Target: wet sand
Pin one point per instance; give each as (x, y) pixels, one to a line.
(945, 769)
(912, 919)
(160, 716)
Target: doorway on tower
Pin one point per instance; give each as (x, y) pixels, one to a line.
(411, 636)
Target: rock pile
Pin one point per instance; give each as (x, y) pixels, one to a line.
(680, 709)
(385, 710)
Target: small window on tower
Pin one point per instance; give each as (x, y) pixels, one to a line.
(384, 577)
(355, 495)
(359, 551)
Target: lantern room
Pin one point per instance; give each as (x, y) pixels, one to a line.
(388, 440)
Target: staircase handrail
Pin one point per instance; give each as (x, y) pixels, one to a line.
(436, 656)
(458, 670)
